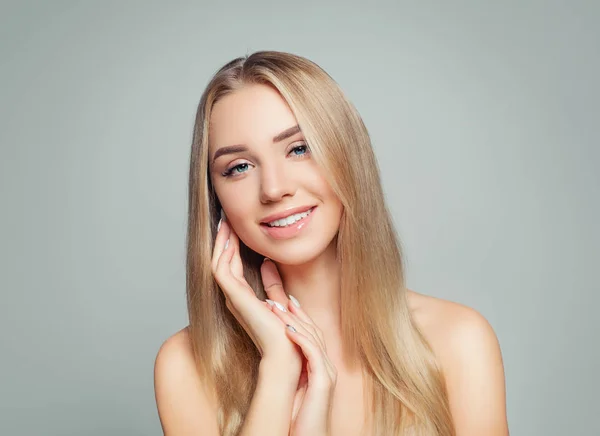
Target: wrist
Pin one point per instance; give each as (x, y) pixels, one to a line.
(279, 370)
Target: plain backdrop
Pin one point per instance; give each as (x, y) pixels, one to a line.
(484, 118)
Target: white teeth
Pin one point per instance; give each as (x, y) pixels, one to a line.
(289, 220)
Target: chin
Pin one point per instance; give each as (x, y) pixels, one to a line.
(296, 252)
(294, 259)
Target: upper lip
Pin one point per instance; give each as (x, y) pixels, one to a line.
(286, 213)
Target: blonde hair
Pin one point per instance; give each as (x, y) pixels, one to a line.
(403, 383)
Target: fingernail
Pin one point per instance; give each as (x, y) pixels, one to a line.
(219, 225)
(271, 302)
(296, 302)
(280, 306)
(265, 259)
(223, 217)
(290, 328)
(226, 244)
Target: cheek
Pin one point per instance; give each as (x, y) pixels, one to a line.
(240, 214)
(322, 186)
(237, 205)
(234, 196)
(333, 202)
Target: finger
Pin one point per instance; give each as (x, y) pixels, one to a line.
(319, 372)
(286, 317)
(230, 254)
(222, 267)
(233, 288)
(297, 310)
(237, 267)
(308, 333)
(289, 318)
(272, 282)
(309, 330)
(220, 241)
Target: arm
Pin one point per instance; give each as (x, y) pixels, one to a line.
(271, 407)
(186, 408)
(474, 372)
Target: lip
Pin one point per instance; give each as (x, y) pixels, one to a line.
(286, 213)
(291, 231)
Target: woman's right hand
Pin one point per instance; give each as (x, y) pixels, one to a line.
(264, 327)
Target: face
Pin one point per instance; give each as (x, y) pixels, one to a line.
(261, 169)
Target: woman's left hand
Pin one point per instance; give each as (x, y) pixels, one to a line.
(311, 413)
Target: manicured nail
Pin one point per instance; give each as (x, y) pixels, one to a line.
(296, 302)
(290, 328)
(271, 302)
(226, 244)
(280, 306)
(265, 259)
(219, 225)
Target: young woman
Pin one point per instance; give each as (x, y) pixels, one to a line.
(285, 199)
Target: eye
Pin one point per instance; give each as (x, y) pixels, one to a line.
(300, 150)
(237, 169)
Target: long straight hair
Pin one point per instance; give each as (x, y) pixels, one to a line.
(404, 384)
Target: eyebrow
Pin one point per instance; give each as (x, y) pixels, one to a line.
(238, 148)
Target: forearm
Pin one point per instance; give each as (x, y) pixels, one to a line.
(270, 411)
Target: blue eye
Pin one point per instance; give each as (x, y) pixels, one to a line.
(241, 167)
(299, 151)
(302, 147)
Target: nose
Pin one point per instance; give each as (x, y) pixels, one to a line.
(276, 183)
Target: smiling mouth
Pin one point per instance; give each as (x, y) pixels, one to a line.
(290, 220)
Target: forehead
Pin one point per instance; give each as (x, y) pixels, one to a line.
(253, 114)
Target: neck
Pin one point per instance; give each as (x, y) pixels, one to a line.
(316, 285)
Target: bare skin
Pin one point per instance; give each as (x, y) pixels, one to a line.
(262, 176)
(459, 337)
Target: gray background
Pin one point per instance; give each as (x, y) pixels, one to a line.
(484, 119)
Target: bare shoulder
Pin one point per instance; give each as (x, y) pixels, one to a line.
(468, 351)
(184, 405)
(446, 323)
(457, 333)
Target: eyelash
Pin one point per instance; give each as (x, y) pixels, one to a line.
(229, 172)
